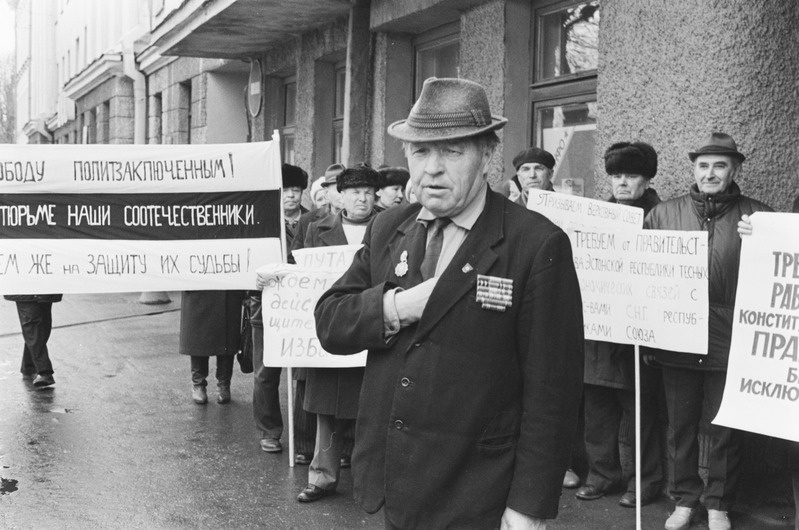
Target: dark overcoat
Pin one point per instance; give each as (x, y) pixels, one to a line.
(210, 322)
(332, 391)
(470, 410)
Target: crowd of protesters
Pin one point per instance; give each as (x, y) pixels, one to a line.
(468, 406)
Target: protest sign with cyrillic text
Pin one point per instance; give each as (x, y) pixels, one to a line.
(762, 390)
(646, 287)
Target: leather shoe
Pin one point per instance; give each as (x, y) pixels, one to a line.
(313, 493)
(571, 480)
(628, 500)
(224, 394)
(199, 395)
(271, 445)
(680, 519)
(589, 492)
(718, 520)
(43, 380)
(301, 459)
(345, 462)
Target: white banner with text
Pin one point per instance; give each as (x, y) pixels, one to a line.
(645, 287)
(762, 390)
(121, 218)
(287, 306)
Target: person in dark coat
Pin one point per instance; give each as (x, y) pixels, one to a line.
(332, 393)
(534, 167)
(266, 380)
(470, 309)
(694, 384)
(35, 312)
(210, 327)
(304, 421)
(609, 390)
(392, 187)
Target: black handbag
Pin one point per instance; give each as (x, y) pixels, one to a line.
(244, 355)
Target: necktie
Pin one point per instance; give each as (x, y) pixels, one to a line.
(433, 251)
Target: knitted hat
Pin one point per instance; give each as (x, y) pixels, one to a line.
(356, 177)
(534, 154)
(637, 158)
(393, 176)
(294, 177)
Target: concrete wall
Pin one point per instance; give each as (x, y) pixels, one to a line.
(672, 72)
(226, 113)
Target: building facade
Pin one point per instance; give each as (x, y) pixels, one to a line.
(572, 76)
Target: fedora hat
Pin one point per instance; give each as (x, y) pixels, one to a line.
(331, 173)
(718, 144)
(447, 109)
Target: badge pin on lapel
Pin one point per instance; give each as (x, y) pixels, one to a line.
(402, 267)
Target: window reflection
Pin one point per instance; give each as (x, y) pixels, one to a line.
(568, 131)
(568, 40)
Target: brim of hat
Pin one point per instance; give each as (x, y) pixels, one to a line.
(734, 154)
(406, 133)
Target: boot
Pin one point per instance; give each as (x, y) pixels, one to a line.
(199, 395)
(224, 394)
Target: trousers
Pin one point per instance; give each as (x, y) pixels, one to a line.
(604, 409)
(326, 464)
(693, 397)
(36, 321)
(224, 370)
(265, 389)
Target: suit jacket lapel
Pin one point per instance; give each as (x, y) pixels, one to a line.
(459, 279)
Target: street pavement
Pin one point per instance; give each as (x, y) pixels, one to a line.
(118, 443)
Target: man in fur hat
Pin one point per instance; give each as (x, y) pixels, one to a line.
(470, 308)
(266, 382)
(609, 392)
(392, 187)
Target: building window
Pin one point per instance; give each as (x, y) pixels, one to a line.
(289, 118)
(436, 54)
(563, 93)
(338, 112)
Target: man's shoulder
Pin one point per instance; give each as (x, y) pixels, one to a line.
(755, 205)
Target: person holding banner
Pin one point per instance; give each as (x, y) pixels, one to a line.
(332, 393)
(266, 380)
(35, 312)
(694, 384)
(470, 309)
(609, 390)
(305, 422)
(533, 170)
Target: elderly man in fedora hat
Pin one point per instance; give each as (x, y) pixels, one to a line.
(470, 309)
(694, 384)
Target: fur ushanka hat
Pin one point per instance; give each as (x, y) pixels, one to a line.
(637, 158)
(294, 177)
(356, 177)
